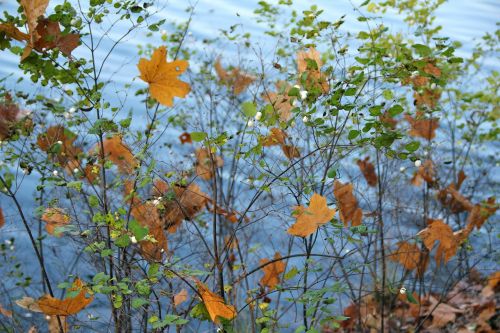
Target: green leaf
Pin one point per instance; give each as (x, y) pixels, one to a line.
(412, 146)
(353, 134)
(198, 136)
(139, 231)
(138, 302)
(122, 241)
(291, 273)
(410, 298)
(422, 50)
(249, 109)
(395, 110)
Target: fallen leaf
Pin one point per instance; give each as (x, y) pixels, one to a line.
(347, 203)
(290, 151)
(442, 313)
(215, 305)
(54, 218)
(56, 307)
(185, 138)
(162, 77)
(368, 171)
(206, 162)
(272, 272)
(311, 218)
(276, 137)
(180, 297)
(236, 78)
(424, 128)
(438, 231)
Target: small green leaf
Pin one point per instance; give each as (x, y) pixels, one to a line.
(353, 134)
(412, 146)
(198, 136)
(249, 109)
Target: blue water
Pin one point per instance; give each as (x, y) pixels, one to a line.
(462, 21)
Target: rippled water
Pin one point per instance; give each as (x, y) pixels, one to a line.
(462, 20)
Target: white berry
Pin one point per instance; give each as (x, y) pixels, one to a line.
(418, 163)
(258, 115)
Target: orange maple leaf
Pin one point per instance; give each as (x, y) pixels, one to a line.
(347, 203)
(205, 161)
(410, 257)
(162, 76)
(56, 307)
(424, 128)
(118, 153)
(272, 272)
(315, 78)
(236, 78)
(215, 305)
(311, 218)
(275, 137)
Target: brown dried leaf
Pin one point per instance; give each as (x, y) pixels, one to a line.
(276, 137)
(50, 37)
(315, 78)
(54, 218)
(347, 203)
(290, 151)
(281, 102)
(368, 171)
(311, 218)
(424, 128)
(206, 162)
(118, 153)
(410, 257)
(236, 78)
(272, 272)
(481, 212)
(425, 172)
(180, 297)
(58, 143)
(5, 312)
(13, 32)
(438, 231)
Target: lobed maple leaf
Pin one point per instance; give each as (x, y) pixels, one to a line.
(311, 218)
(368, 171)
(50, 37)
(215, 304)
(272, 272)
(162, 76)
(290, 151)
(118, 153)
(424, 128)
(58, 142)
(275, 137)
(438, 231)
(347, 203)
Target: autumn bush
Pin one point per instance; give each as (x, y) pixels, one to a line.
(313, 180)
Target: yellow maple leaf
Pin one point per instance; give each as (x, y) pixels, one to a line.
(162, 76)
(311, 218)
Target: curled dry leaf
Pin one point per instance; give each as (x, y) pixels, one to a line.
(185, 138)
(311, 218)
(272, 271)
(454, 200)
(50, 37)
(179, 203)
(290, 151)
(118, 153)
(56, 307)
(162, 76)
(479, 213)
(281, 102)
(425, 172)
(410, 257)
(427, 97)
(206, 162)
(442, 313)
(236, 78)
(310, 63)
(54, 218)
(215, 305)
(424, 128)
(368, 171)
(276, 137)
(180, 297)
(438, 231)
(347, 203)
